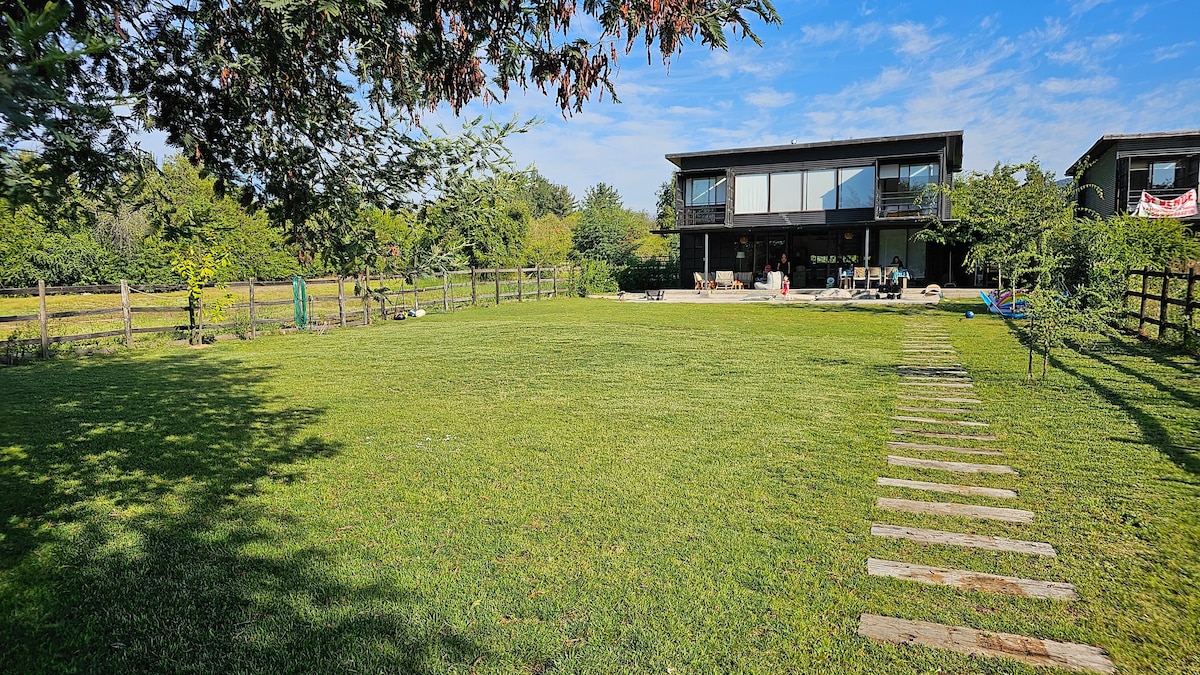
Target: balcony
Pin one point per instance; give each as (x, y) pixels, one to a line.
(905, 204)
(1162, 193)
(702, 215)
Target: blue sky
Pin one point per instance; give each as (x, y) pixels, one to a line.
(1021, 79)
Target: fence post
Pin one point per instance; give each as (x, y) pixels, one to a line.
(366, 295)
(253, 312)
(200, 320)
(520, 284)
(554, 282)
(497, 285)
(1163, 304)
(1145, 291)
(474, 297)
(126, 314)
(42, 318)
(445, 290)
(538, 272)
(1188, 301)
(341, 301)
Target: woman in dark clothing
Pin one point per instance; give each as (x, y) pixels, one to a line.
(785, 266)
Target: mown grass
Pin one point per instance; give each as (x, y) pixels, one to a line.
(577, 487)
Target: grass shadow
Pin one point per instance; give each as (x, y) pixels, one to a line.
(1134, 401)
(134, 540)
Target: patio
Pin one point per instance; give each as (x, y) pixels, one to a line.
(912, 296)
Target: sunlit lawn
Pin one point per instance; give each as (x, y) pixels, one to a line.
(572, 486)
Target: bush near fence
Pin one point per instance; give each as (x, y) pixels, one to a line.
(37, 318)
(1166, 300)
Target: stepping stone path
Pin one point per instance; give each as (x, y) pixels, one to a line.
(931, 377)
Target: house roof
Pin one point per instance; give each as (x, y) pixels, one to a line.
(676, 158)
(1101, 146)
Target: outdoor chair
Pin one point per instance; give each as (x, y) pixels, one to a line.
(874, 274)
(860, 274)
(724, 278)
(701, 282)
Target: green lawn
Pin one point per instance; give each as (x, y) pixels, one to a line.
(573, 486)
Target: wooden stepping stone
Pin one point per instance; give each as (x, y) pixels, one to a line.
(948, 488)
(959, 467)
(910, 378)
(945, 434)
(979, 541)
(930, 420)
(947, 385)
(943, 399)
(1033, 651)
(971, 581)
(927, 370)
(950, 509)
(947, 411)
(943, 448)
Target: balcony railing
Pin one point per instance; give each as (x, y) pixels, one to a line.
(1135, 196)
(905, 204)
(702, 215)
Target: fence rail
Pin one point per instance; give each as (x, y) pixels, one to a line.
(485, 286)
(1156, 300)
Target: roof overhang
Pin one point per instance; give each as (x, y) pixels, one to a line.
(1107, 141)
(954, 158)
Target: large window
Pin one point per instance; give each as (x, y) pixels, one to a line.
(751, 193)
(787, 192)
(1158, 174)
(705, 191)
(856, 187)
(820, 190)
(814, 190)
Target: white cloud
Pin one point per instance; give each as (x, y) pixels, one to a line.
(1084, 6)
(769, 98)
(1172, 51)
(1086, 85)
(914, 39)
(1088, 53)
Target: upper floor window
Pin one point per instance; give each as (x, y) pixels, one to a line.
(705, 191)
(751, 193)
(812, 190)
(1158, 174)
(907, 177)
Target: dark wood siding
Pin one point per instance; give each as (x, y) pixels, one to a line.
(1102, 174)
(821, 157)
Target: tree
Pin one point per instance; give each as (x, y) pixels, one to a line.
(665, 216)
(545, 197)
(310, 108)
(606, 230)
(1073, 266)
(549, 239)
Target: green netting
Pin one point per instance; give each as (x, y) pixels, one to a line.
(300, 302)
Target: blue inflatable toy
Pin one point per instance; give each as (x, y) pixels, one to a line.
(970, 314)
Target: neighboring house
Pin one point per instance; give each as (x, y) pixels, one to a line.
(826, 205)
(1122, 167)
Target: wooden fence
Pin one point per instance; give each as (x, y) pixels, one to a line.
(1167, 300)
(381, 296)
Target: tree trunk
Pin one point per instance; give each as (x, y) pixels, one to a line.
(1032, 341)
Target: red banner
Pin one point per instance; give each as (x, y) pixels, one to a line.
(1180, 207)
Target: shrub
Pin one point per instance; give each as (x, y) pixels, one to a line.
(595, 276)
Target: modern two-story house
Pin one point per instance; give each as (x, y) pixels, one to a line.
(1154, 175)
(827, 205)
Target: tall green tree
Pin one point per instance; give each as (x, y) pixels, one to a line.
(312, 108)
(545, 197)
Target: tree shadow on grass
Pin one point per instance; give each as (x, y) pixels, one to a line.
(1134, 402)
(132, 539)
